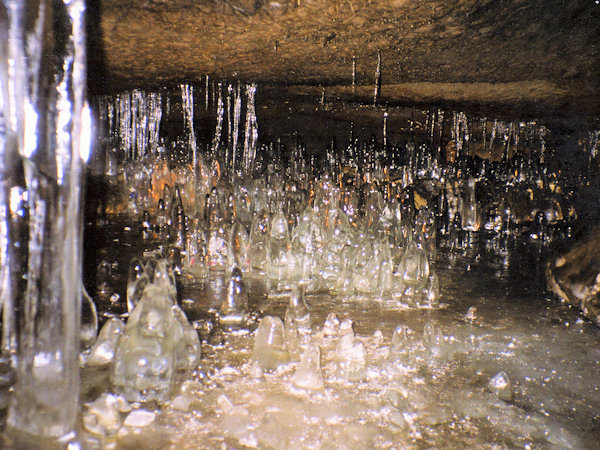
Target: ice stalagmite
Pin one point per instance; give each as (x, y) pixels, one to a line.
(308, 375)
(269, 343)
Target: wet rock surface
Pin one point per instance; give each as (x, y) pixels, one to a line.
(575, 276)
(317, 42)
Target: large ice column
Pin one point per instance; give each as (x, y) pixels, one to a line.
(44, 143)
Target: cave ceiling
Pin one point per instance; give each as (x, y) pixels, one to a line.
(447, 48)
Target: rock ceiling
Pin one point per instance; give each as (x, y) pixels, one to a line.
(543, 50)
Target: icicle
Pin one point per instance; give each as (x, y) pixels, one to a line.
(220, 111)
(155, 116)
(251, 136)
(460, 131)
(385, 116)
(377, 93)
(187, 97)
(229, 123)
(493, 136)
(123, 105)
(206, 93)
(237, 112)
(484, 135)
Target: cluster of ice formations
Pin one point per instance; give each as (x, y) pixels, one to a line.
(371, 391)
(360, 223)
(111, 416)
(311, 236)
(157, 347)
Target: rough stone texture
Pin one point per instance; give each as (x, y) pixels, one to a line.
(142, 42)
(575, 276)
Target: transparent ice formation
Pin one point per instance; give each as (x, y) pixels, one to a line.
(158, 342)
(103, 278)
(137, 281)
(331, 325)
(308, 374)
(396, 241)
(234, 306)
(144, 359)
(187, 346)
(269, 343)
(351, 358)
(501, 385)
(103, 351)
(89, 320)
(278, 248)
(297, 315)
(102, 416)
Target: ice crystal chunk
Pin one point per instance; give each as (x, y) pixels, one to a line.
(162, 218)
(308, 374)
(224, 404)
(102, 417)
(179, 227)
(350, 354)
(103, 351)
(259, 237)
(297, 320)
(278, 248)
(135, 288)
(164, 277)
(217, 248)
(397, 419)
(146, 225)
(104, 278)
(123, 405)
(400, 337)
(414, 266)
(385, 277)
(235, 305)
(501, 385)
(331, 325)
(433, 339)
(347, 326)
(89, 320)
(139, 418)
(134, 292)
(471, 314)
(181, 403)
(256, 370)
(470, 213)
(433, 290)
(237, 423)
(239, 248)
(307, 240)
(297, 314)
(145, 355)
(187, 347)
(399, 349)
(269, 343)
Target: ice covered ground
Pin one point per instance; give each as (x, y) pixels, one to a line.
(498, 362)
(436, 383)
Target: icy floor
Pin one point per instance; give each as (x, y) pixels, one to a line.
(423, 393)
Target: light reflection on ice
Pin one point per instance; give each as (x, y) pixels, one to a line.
(425, 329)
